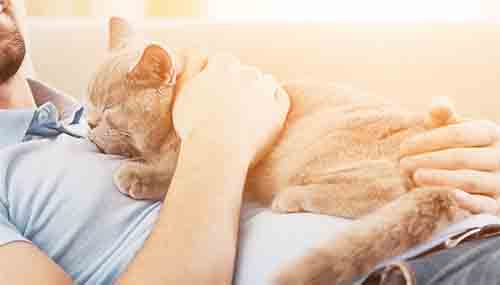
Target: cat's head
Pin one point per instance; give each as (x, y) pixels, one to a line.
(130, 98)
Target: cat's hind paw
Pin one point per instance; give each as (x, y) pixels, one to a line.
(288, 201)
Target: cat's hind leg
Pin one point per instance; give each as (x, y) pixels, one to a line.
(342, 200)
(388, 232)
(351, 191)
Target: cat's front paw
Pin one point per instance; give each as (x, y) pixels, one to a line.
(138, 181)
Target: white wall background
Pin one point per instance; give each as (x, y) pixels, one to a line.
(129, 8)
(54, 7)
(301, 10)
(356, 10)
(124, 8)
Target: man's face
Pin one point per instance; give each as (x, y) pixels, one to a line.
(12, 46)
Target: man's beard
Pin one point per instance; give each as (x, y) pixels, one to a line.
(12, 52)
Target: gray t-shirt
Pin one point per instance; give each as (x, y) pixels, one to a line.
(58, 193)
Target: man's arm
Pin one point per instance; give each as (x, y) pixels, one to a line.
(23, 263)
(194, 241)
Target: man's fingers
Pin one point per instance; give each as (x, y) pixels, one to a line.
(282, 99)
(470, 181)
(225, 61)
(476, 204)
(482, 159)
(467, 134)
(269, 82)
(268, 87)
(249, 73)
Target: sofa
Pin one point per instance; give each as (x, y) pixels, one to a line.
(408, 63)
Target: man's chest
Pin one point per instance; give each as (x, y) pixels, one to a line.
(47, 181)
(60, 195)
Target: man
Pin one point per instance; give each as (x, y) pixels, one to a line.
(57, 199)
(62, 221)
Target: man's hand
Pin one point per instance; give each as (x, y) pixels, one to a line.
(463, 156)
(233, 105)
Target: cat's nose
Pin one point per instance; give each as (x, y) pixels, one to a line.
(92, 125)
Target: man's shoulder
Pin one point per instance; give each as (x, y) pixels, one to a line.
(43, 93)
(13, 125)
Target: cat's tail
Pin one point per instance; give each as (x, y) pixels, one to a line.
(402, 224)
(441, 113)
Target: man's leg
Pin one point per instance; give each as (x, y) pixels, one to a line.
(471, 263)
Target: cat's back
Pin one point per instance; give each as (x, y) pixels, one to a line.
(330, 126)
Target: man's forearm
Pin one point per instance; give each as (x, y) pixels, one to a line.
(195, 238)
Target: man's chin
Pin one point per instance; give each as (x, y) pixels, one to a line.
(12, 53)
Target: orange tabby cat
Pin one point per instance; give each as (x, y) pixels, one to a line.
(338, 155)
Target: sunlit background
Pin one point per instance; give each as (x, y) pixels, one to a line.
(288, 10)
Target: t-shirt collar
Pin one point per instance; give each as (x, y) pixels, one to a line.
(15, 123)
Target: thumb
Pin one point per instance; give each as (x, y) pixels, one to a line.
(222, 61)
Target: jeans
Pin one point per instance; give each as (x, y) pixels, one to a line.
(476, 261)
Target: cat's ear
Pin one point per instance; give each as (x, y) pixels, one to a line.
(121, 33)
(155, 68)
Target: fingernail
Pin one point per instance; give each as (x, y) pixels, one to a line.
(461, 195)
(403, 149)
(417, 175)
(405, 165)
(420, 175)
